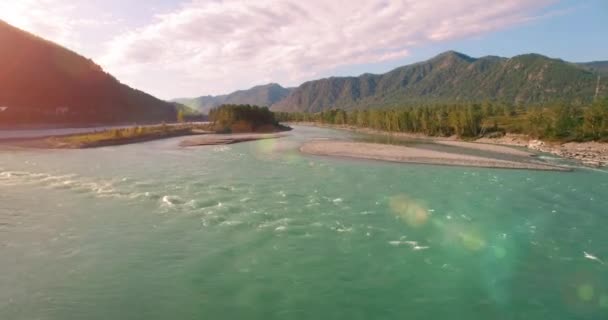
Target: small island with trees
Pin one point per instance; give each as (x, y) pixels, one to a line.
(234, 118)
(238, 123)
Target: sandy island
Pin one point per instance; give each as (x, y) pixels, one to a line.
(591, 154)
(486, 147)
(403, 154)
(82, 141)
(218, 139)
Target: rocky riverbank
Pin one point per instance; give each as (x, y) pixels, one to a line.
(592, 154)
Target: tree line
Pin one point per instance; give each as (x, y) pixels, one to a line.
(242, 118)
(553, 122)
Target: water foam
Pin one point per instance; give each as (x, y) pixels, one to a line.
(171, 200)
(231, 223)
(412, 244)
(72, 182)
(221, 148)
(274, 223)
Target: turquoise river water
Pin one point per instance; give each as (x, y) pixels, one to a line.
(259, 231)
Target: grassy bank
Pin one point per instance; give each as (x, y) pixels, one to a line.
(121, 136)
(136, 134)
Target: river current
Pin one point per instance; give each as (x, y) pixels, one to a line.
(259, 231)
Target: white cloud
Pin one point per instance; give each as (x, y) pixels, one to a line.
(212, 46)
(61, 21)
(41, 17)
(216, 46)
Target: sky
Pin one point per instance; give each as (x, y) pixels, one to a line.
(189, 48)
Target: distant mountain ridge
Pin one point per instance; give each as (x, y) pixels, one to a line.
(44, 83)
(596, 66)
(453, 77)
(263, 95)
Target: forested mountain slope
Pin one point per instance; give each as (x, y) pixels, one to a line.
(44, 83)
(453, 77)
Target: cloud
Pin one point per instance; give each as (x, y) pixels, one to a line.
(213, 46)
(209, 46)
(42, 17)
(60, 21)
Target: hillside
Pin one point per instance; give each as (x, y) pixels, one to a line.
(264, 95)
(43, 83)
(597, 66)
(452, 77)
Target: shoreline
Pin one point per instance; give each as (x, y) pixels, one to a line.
(59, 126)
(230, 138)
(403, 154)
(131, 135)
(56, 142)
(45, 131)
(590, 154)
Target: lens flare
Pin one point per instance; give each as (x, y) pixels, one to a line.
(500, 252)
(408, 210)
(603, 301)
(266, 146)
(465, 235)
(472, 241)
(279, 148)
(585, 292)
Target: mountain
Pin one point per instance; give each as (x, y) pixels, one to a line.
(44, 83)
(264, 95)
(202, 104)
(596, 66)
(452, 77)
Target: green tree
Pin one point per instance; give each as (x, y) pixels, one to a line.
(595, 122)
(340, 117)
(566, 121)
(539, 123)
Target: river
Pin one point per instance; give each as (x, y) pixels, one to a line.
(259, 231)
